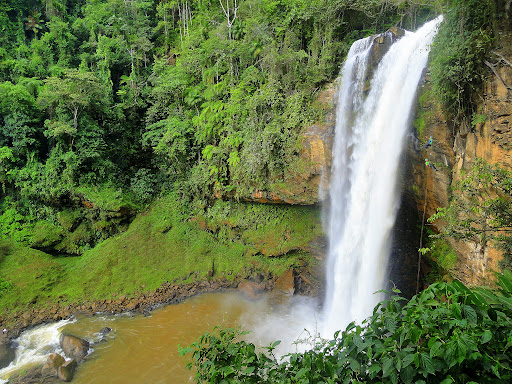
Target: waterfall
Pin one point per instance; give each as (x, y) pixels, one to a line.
(371, 127)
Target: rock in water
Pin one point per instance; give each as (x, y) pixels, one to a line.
(53, 363)
(67, 370)
(250, 289)
(74, 347)
(6, 351)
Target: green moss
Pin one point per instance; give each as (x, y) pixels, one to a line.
(46, 234)
(426, 111)
(420, 125)
(107, 198)
(415, 189)
(272, 230)
(443, 259)
(444, 255)
(34, 276)
(68, 218)
(164, 244)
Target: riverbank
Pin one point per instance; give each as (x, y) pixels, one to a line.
(304, 281)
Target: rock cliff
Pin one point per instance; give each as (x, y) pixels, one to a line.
(486, 135)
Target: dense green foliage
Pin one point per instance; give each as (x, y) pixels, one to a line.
(462, 45)
(446, 334)
(123, 100)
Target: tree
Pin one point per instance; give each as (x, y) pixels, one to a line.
(18, 117)
(33, 23)
(73, 93)
(230, 11)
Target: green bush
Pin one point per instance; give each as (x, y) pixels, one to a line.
(459, 51)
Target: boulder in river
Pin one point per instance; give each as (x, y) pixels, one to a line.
(285, 283)
(67, 370)
(6, 351)
(53, 363)
(32, 376)
(74, 347)
(250, 289)
(102, 335)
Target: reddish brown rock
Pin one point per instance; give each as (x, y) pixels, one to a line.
(488, 137)
(285, 284)
(251, 289)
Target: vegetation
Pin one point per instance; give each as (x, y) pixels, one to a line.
(164, 245)
(461, 47)
(446, 334)
(122, 122)
(107, 101)
(480, 209)
(118, 116)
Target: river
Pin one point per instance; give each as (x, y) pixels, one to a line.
(144, 349)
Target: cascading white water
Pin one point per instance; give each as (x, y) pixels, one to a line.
(34, 346)
(370, 133)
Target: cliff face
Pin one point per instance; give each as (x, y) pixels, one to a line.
(487, 135)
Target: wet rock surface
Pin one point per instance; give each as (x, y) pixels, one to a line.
(74, 347)
(33, 376)
(67, 370)
(7, 352)
(51, 367)
(251, 289)
(285, 284)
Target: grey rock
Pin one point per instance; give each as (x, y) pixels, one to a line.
(67, 370)
(74, 347)
(7, 352)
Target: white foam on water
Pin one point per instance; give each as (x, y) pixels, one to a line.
(34, 346)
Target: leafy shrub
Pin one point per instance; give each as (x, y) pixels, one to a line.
(458, 53)
(13, 224)
(143, 184)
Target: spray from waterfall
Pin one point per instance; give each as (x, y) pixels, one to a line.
(371, 127)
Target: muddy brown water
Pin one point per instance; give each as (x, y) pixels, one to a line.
(142, 349)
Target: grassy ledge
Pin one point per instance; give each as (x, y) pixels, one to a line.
(165, 244)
